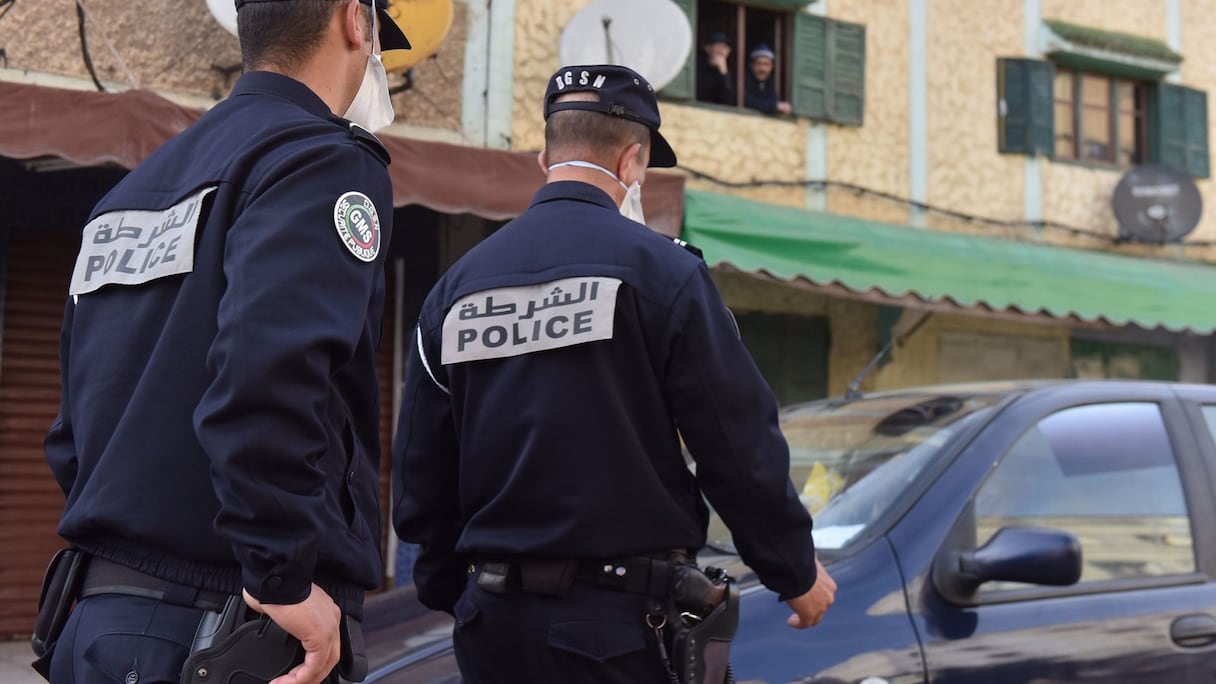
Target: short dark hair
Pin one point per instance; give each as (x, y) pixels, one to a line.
(570, 131)
(285, 34)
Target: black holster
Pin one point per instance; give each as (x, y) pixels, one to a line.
(60, 589)
(237, 646)
(703, 620)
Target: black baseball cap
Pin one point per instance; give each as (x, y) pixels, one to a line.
(391, 35)
(623, 92)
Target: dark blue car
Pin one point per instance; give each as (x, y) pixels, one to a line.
(1031, 532)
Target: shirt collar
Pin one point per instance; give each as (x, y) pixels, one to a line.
(270, 83)
(573, 190)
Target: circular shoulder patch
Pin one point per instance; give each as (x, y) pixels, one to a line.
(358, 225)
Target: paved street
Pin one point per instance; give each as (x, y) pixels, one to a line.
(15, 657)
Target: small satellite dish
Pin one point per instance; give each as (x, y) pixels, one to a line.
(1156, 204)
(652, 37)
(224, 12)
(426, 23)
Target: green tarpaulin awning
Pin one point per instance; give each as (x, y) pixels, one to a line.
(899, 262)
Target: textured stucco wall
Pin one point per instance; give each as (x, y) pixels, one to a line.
(177, 47)
(1141, 17)
(919, 360)
(966, 173)
(875, 155)
(538, 27)
(166, 45)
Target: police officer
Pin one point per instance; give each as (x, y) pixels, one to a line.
(218, 433)
(554, 370)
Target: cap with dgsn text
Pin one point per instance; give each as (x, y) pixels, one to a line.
(391, 35)
(622, 92)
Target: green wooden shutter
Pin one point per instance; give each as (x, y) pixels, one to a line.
(1195, 103)
(810, 91)
(684, 86)
(1025, 90)
(847, 72)
(1179, 118)
(1168, 117)
(829, 69)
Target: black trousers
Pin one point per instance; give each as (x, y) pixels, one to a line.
(592, 636)
(112, 639)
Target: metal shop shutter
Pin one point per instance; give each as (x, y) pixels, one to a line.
(39, 268)
(384, 371)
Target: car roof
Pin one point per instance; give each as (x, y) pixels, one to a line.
(1017, 388)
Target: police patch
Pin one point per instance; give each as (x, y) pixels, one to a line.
(511, 321)
(358, 225)
(135, 246)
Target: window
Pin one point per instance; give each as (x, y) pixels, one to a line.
(745, 28)
(1100, 118)
(1084, 106)
(1105, 473)
(818, 66)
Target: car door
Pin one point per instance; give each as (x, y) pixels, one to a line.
(1122, 475)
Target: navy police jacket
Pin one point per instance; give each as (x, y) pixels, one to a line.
(219, 424)
(554, 369)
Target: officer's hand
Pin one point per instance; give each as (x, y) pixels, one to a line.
(314, 621)
(810, 607)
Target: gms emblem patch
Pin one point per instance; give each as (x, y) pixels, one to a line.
(358, 225)
(512, 321)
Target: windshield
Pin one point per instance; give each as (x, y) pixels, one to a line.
(851, 462)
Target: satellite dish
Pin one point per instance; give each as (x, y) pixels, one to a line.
(426, 23)
(224, 12)
(652, 37)
(1156, 204)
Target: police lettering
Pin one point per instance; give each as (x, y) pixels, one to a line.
(128, 261)
(584, 78)
(523, 332)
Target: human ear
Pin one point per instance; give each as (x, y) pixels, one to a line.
(628, 162)
(353, 25)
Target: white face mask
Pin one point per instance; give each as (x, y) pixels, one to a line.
(372, 107)
(631, 207)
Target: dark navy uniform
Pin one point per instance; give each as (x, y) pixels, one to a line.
(220, 417)
(555, 368)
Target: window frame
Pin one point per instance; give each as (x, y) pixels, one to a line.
(783, 38)
(1113, 108)
(1179, 430)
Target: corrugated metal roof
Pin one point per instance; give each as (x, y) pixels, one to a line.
(909, 265)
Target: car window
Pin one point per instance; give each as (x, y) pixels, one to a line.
(1107, 474)
(852, 462)
(1209, 417)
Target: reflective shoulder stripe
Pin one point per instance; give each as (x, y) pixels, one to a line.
(427, 364)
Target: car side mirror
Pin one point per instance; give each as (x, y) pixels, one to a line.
(1030, 555)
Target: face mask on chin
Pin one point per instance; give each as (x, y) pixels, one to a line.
(631, 207)
(372, 107)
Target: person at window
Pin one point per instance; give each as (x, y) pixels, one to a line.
(714, 81)
(759, 91)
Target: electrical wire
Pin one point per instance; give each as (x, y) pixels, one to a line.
(932, 209)
(84, 48)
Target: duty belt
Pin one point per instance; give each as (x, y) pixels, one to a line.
(648, 576)
(107, 577)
